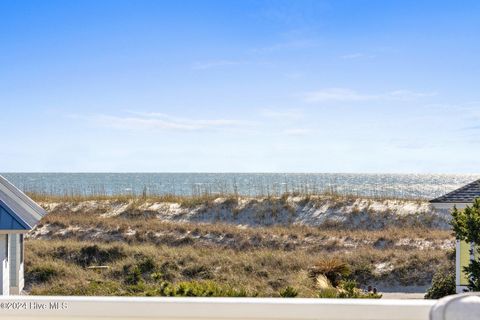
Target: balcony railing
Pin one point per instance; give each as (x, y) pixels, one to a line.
(35, 307)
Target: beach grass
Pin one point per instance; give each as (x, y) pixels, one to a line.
(202, 198)
(62, 268)
(80, 249)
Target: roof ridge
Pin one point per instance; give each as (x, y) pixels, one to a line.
(17, 192)
(19, 203)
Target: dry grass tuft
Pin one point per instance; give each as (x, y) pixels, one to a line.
(333, 269)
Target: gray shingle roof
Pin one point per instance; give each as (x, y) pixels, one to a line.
(465, 194)
(22, 206)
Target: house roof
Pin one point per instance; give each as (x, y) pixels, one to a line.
(465, 194)
(20, 206)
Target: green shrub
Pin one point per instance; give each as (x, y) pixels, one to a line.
(147, 265)
(133, 275)
(157, 276)
(289, 292)
(40, 274)
(347, 290)
(201, 289)
(197, 289)
(328, 294)
(90, 255)
(197, 272)
(443, 284)
(96, 288)
(92, 288)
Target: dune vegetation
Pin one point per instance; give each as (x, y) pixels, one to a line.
(321, 246)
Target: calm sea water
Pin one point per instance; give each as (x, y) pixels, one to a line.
(389, 185)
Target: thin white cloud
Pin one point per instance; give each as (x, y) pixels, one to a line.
(348, 95)
(337, 94)
(160, 121)
(408, 95)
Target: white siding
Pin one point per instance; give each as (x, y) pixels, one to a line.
(13, 260)
(20, 261)
(4, 266)
(21, 279)
(16, 264)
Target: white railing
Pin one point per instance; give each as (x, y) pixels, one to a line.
(35, 307)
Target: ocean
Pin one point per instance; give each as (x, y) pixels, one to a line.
(422, 186)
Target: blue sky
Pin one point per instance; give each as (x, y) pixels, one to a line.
(240, 86)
